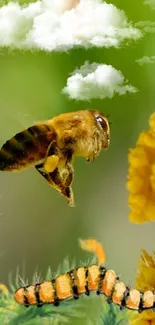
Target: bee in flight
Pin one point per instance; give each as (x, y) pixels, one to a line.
(84, 280)
(50, 146)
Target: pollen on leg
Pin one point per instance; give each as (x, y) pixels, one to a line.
(51, 163)
(93, 246)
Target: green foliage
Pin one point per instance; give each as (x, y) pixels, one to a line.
(92, 310)
(20, 2)
(112, 315)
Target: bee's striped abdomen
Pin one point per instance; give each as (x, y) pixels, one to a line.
(84, 280)
(26, 148)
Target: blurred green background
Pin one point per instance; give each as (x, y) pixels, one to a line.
(37, 228)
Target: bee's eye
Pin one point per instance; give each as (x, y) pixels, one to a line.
(102, 122)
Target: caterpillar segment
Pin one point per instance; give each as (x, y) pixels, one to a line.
(84, 280)
(50, 146)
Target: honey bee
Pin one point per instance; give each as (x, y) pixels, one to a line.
(50, 146)
(84, 280)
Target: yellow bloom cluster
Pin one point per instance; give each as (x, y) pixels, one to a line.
(145, 280)
(141, 176)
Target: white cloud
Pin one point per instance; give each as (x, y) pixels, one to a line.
(151, 3)
(146, 26)
(96, 81)
(48, 25)
(146, 60)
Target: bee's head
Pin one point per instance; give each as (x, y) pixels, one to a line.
(104, 126)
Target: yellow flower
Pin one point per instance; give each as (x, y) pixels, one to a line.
(146, 318)
(4, 289)
(145, 280)
(141, 176)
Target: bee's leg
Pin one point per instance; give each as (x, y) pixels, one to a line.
(90, 159)
(52, 157)
(67, 170)
(56, 181)
(96, 149)
(68, 153)
(61, 159)
(92, 156)
(56, 157)
(68, 193)
(40, 169)
(67, 174)
(62, 179)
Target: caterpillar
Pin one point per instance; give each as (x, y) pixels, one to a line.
(84, 280)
